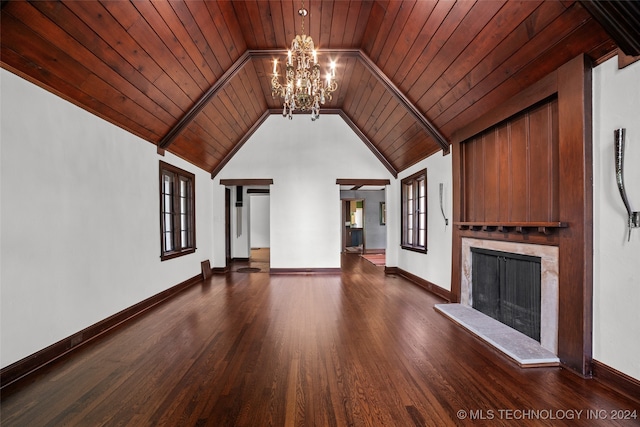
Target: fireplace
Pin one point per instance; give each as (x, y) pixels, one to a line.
(506, 287)
(521, 174)
(548, 282)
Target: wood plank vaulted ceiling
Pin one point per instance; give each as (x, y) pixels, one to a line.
(193, 77)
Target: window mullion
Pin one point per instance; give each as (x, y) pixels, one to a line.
(416, 219)
(175, 219)
(167, 204)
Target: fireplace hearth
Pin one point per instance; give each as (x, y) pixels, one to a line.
(518, 345)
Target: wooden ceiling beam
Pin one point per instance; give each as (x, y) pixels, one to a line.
(357, 131)
(357, 53)
(368, 143)
(620, 19)
(240, 143)
(383, 79)
(204, 100)
(413, 110)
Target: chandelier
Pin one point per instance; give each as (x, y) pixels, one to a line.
(303, 88)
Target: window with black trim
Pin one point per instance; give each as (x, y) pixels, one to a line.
(177, 212)
(414, 212)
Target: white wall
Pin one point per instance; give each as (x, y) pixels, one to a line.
(435, 265)
(79, 220)
(304, 159)
(616, 275)
(239, 218)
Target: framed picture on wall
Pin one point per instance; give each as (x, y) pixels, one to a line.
(383, 213)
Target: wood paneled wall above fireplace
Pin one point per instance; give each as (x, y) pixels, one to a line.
(526, 166)
(511, 170)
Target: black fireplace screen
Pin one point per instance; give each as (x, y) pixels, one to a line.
(506, 286)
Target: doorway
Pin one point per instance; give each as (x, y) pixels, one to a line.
(353, 218)
(250, 222)
(259, 228)
(365, 199)
(239, 251)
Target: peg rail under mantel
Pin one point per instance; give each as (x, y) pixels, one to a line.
(519, 227)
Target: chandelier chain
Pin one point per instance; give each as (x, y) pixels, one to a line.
(302, 12)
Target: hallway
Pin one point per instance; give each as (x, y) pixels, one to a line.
(258, 262)
(359, 348)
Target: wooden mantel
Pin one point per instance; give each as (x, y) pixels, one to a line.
(519, 227)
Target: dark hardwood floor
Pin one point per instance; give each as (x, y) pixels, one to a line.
(253, 349)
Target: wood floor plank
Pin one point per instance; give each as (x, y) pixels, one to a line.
(359, 348)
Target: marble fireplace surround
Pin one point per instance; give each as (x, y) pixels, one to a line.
(549, 281)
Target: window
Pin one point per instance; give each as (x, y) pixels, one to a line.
(414, 212)
(177, 212)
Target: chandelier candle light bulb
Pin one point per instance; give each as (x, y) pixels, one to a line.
(309, 91)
